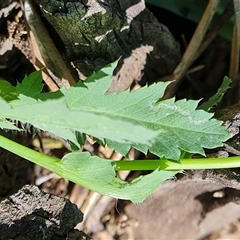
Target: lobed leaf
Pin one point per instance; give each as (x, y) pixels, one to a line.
(55, 117)
(178, 124)
(92, 172)
(49, 112)
(80, 167)
(125, 119)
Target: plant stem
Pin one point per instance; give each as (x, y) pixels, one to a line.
(51, 163)
(29, 154)
(184, 164)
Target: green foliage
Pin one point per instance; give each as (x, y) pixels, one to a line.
(193, 10)
(31, 86)
(137, 119)
(122, 119)
(217, 97)
(49, 112)
(177, 123)
(81, 169)
(94, 173)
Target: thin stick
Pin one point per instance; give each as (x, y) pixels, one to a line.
(48, 51)
(233, 70)
(235, 51)
(233, 95)
(213, 31)
(189, 55)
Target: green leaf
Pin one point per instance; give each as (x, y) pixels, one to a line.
(178, 124)
(8, 125)
(31, 85)
(81, 138)
(186, 128)
(92, 172)
(123, 119)
(217, 97)
(81, 169)
(55, 117)
(7, 91)
(121, 148)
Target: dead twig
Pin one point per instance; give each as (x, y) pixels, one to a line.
(189, 55)
(214, 30)
(45, 51)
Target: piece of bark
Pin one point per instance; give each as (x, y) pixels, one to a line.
(32, 214)
(91, 34)
(14, 50)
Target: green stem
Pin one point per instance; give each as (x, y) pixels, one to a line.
(51, 163)
(186, 164)
(29, 154)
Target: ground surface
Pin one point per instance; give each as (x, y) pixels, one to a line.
(180, 209)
